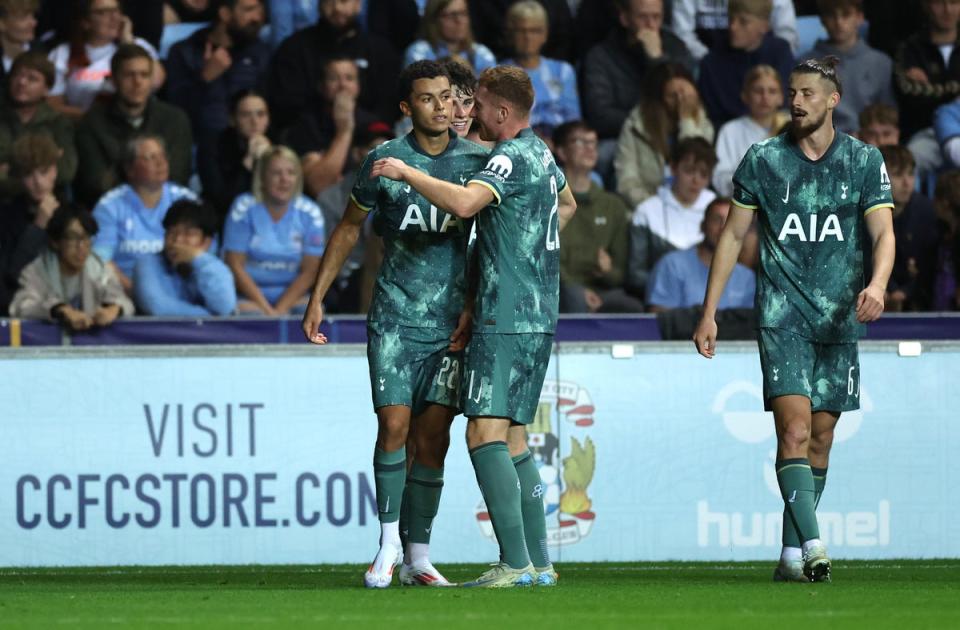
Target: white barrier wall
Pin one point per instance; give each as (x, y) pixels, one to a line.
(263, 455)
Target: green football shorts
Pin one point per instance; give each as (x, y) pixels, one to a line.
(504, 375)
(412, 367)
(826, 373)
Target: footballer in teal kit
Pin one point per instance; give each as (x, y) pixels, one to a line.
(521, 201)
(416, 326)
(813, 190)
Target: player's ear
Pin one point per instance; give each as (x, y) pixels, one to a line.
(405, 108)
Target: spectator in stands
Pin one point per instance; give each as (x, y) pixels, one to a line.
(345, 295)
(865, 73)
(104, 131)
(322, 134)
(615, 71)
(274, 238)
(679, 279)
(669, 110)
(23, 221)
(175, 11)
(750, 43)
(487, 17)
(763, 95)
(289, 16)
(593, 259)
(185, 279)
(927, 75)
(946, 202)
(554, 81)
(238, 148)
(445, 32)
(595, 20)
(131, 215)
(208, 68)
(27, 111)
(879, 125)
(946, 124)
(915, 224)
(298, 66)
(671, 219)
(703, 25)
(67, 283)
(18, 30)
(84, 64)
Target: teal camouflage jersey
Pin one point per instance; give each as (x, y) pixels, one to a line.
(518, 239)
(811, 231)
(422, 280)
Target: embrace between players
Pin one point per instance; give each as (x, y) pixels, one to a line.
(457, 325)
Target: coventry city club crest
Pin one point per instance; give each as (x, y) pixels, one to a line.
(565, 479)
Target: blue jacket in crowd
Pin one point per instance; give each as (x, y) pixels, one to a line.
(162, 290)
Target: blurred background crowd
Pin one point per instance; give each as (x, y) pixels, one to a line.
(191, 157)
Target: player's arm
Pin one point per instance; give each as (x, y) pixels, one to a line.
(724, 260)
(461, 201)
(880, 227)
(342, 241)
(568, 206)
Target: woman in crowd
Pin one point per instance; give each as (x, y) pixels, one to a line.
(83, 63)
(670, 110)
(763, 95)
(554, 81)
(446, 32)
(24, 220)
(239, 147)
(274, 237)
(131, 215)
(67, 282)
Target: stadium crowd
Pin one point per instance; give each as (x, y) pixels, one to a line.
(204, 177)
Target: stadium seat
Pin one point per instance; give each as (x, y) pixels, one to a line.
(173, 33)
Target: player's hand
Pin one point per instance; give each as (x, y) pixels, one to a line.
(870, 304)
(311, 322)
(391, 168)
(461, 335)
(705, 337)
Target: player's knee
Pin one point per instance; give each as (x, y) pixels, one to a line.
(432, 447)
(820, 443)
(393, 433)
(795, 434)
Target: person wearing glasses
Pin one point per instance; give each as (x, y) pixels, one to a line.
(68, 282)
(445, 32)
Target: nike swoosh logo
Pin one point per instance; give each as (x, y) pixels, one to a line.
(787, 198)
(793, 497)
(386, 508)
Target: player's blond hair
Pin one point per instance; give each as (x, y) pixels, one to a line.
(263, 163)
(511, 84)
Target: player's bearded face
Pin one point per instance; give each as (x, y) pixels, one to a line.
(810, 103)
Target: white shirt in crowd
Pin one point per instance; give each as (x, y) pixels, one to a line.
(733, 141)
(665, 216)
(81, 86)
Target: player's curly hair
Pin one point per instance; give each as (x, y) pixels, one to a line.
(461, 74)
(423, 69)
(826, 67)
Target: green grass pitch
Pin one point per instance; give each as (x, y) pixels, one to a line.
(898, 594)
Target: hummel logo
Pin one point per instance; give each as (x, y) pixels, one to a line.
(787, 198)
(382, 381)
(843, 188)
(793, 497)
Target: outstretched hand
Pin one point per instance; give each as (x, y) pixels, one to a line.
(391, 168)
